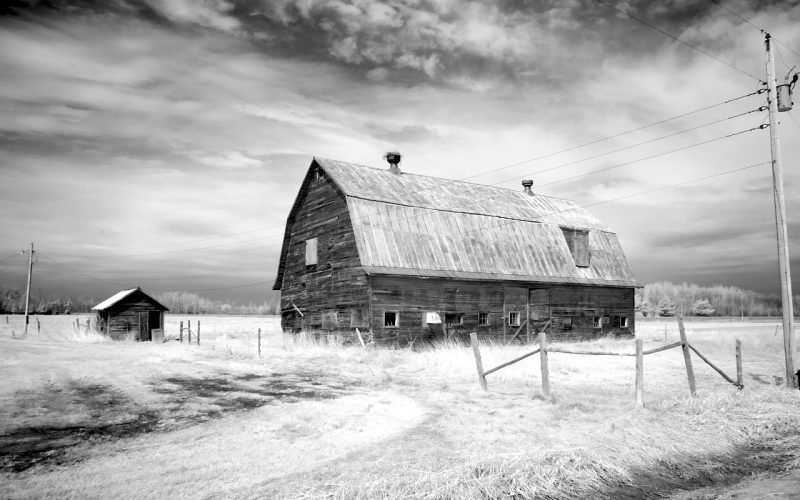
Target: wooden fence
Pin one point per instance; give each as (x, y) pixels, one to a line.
(544, 349)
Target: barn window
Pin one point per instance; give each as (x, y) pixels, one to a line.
(513, 318)
(622, 321)
(390, 319)
(432, 318)
(357, 318)
(453, 318)
(311, 252)
(329, 320)
(578, 243)
(483, 319)
(567, 322)
(597, 322)
(606, 320)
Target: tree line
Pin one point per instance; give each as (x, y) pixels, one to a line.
(12, 301)
(688, 299)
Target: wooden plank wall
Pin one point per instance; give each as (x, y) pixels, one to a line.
(413, 297)
(331, 294)
(124, 320)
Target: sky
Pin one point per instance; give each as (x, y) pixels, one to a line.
(161, 143)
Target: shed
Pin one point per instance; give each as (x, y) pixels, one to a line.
(130, 315)
(403, 256)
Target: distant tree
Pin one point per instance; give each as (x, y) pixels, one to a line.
(666, 307)
(702, 307)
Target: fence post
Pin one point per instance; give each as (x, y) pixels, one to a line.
(259, 343)
(198, 332)
(473, 339)
(38, 326)
(543, 363)
(180, 332)
(189, 330)
(687, 358)
(739, 379)
(639, 374)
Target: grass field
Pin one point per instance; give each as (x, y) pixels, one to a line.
(81, 417)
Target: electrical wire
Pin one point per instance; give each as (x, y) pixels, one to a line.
(605, 169)
(10, 257)
(719, 174)
(115, 283)
(660, 122)
(693, 47)
(649, 141)
(762, 30)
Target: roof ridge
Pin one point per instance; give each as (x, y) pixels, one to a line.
(491, 186)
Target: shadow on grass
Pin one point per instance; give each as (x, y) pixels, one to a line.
(112, 415)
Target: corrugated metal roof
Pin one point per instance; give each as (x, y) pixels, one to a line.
(457, 196)
(425, 226)
(109, 302)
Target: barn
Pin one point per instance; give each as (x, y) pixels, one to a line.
(402, 256)
(131, 315)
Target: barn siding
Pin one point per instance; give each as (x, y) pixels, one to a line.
(331, 294)
(412, 298)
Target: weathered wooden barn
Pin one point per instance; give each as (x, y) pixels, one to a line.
(130, 315)
(403, 256)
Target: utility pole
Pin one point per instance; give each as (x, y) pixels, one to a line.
(780, 217)
(28, 291)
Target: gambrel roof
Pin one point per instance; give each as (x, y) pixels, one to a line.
(417, 225)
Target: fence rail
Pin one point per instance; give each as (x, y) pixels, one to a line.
(544, 349)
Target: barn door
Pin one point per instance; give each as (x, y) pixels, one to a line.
(540, 309)
(153, 322)
(144, 327)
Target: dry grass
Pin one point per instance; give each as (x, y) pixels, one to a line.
(403, 424)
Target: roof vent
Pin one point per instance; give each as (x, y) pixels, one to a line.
(393, 157)
(527, 184)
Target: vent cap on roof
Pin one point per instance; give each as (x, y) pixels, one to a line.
(527, 184)
(393, 157)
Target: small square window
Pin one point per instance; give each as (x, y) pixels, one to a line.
(606, 320)
(567, 322)
(597, 322)
(513, 318)
(390, 319)
(623, 322)
(311, 252)
(453, 318)
(483, 319)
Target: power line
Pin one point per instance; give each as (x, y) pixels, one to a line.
(512, 221)
(734, 14)
(257, 283)
(149, 288)
(80, 272)
(649, 141)
(399, 219)
(693, 47)
(677, 184)
(605, 169)
(212, 237)
(614, 136)
(10, 257)
(759, 28)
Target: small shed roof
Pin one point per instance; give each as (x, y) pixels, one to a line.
(117, 297)
(418, 225)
